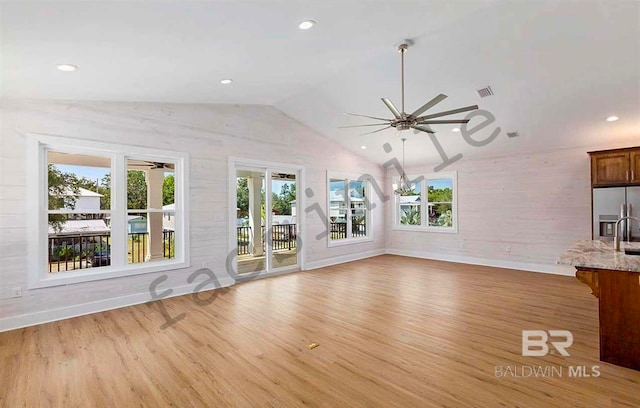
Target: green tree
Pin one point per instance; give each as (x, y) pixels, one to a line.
(136, 190)
(439, 195)
(282, 202)
(63, 193)
(105, 190)
(168, 190)
(242, 200)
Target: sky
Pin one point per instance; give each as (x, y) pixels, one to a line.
(441, 183)
(92, 173)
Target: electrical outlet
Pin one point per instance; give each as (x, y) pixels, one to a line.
(507, 249)
(218, 218)
(16, 292)
(461, 244)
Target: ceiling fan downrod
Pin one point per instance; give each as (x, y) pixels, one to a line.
(402, 48)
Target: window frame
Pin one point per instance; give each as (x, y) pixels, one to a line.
(348, 178)
(37, 198)
(424, 204)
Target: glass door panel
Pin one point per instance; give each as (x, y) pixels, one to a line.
(283, 226)
(250, 219)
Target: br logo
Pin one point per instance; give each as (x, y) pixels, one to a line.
(534, 342)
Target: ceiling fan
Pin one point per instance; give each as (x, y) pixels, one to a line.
(403, 121)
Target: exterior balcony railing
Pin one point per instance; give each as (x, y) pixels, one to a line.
(284, 236)
(70, 252)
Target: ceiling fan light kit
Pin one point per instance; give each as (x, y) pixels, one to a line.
(404, 187)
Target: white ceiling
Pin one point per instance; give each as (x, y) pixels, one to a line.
(558, 68)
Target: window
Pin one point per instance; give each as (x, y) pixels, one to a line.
(349, 213)
(107, 211)
(430, 206)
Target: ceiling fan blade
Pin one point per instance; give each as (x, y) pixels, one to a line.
(371, 124)
(429, 104)
(376, 131)
(449, 112)
(391, 107)
(424, 129)
(442, 122)
(366, 116)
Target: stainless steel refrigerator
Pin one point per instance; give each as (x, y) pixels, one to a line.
(611, 204)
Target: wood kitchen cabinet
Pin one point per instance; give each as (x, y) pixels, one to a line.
(619, 167)
(618, 294)
(634, 164)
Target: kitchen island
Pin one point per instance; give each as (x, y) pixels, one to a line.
(614, 278)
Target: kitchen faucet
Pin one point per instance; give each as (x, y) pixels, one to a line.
(616, 238)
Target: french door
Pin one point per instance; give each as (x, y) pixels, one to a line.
(266, 229)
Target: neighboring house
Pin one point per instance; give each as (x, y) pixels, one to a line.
(93, 232)
(136, 224)
(283, 219)
(407, 202)
(86, 200)
(338, 207)
(80, 227)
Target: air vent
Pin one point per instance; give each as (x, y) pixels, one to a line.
(513, 134)
(484, 92)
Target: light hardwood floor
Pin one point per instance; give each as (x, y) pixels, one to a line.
(393, 332)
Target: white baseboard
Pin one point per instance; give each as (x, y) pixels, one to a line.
(31, 319)
(565, 270)
(342, 259)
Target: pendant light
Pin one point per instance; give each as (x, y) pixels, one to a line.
(405, 187)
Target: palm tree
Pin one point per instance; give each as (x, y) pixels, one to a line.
(411, 217)
(446, 219)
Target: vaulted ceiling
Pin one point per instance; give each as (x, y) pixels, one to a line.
(557, 68)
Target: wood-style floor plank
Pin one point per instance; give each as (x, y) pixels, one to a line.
(393, 332)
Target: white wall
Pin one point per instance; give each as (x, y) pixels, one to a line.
(209, 134)
(519, 211)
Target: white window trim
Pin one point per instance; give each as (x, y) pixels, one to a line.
(349, 241)
(423, 199)
(36, 170)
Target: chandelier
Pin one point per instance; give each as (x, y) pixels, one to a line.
(404, 187)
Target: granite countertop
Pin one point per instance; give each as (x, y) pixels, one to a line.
(598, 254)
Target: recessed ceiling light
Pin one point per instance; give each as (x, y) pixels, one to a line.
(455, 129)
(67, 67)
(307, 24)
(363, 147)
(612, 118)
(226, 81)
